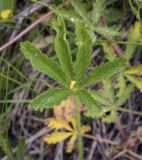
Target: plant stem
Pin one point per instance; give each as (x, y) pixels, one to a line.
(80, 145)
(130, 111)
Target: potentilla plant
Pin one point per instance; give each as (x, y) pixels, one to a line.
(71, 75)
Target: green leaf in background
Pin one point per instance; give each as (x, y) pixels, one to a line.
(121, 85)
(125, 95)
(135, 80)
(98, 9)
(93, 108)
(114, 15)
(133, 8)
(6, 8)
(136, 70)
(83, 56)
(21, 147)
(99, 97)
(50, 98)
(62, 49)
(133, 36)
(80, 9)
(61, 12)
(105, 71)
(108, 91)
(107, 31)
(109, 51)
(41, 62)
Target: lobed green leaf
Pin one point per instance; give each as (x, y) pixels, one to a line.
(99, 97)
(62, 49)
(125, 95)
(41, 62)
(50, 98)
(83, 56)
(105, 71)
(92, 106)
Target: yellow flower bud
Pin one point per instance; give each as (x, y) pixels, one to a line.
(72, 84)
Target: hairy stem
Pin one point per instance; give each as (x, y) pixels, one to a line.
(80, 145)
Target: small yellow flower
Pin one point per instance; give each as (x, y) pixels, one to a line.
(72, 84)
(5, 14)
(71, 132)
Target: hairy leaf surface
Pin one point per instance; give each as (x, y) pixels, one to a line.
(41, 62)
(69, 14)
(92, 106)
(125, 95)
(50, 98)
(105, 71)
(83, 56)
(62, 48)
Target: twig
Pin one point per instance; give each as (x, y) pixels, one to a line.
(139, 157)
(100, 139)
(119, 154)
(59, 151)
(130, 111)
(121, 130)
(20, 17)
(92, 150)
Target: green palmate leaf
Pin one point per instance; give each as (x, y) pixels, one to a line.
(105, 71)
(93, 107)
(50, 98)
(125, 95)
(108, 91)
(62, 48)
(121, 85)
(99, 98)
(42, 63)
(83, 56)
